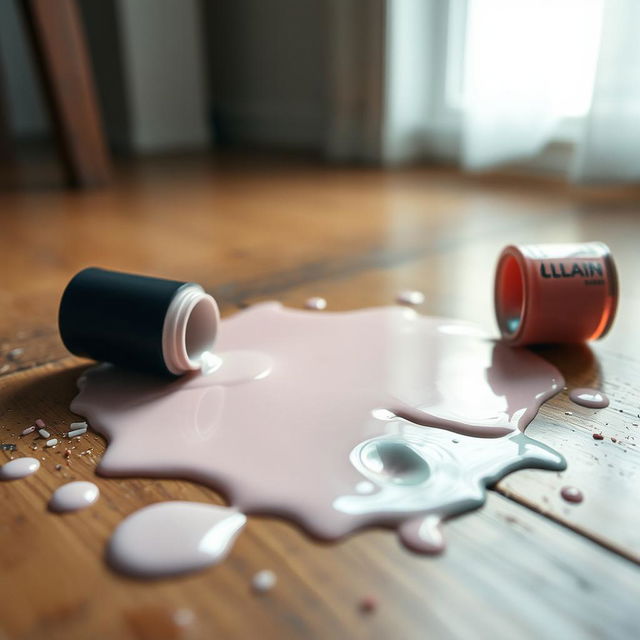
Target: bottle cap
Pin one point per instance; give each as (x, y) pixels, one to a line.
(549, 293)
(138, 322)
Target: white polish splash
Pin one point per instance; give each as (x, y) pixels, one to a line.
(337, 421)
(170, 538)
(74, 496)
(19, 468)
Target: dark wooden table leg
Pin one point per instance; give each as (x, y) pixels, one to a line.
(58, 41)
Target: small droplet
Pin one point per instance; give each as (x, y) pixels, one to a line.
(73, 496)
(19, 468)
(316, 303)
(597, 436)
(572, 494)
(410, 297)
(591, 398)
(368, 604)
(264, 581)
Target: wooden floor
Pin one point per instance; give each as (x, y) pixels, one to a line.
(527, 565)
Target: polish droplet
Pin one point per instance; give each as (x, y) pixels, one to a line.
(170, 538)
(74, 496)
(409, 297)
(368, 604)
(19, 468)
(316, 303)
(423, 534)
(572, 494)
(591, 398)
(264, 581)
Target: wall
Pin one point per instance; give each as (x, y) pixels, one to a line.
(148, 63)
(164, 73)
(268, 71)
(170, 71)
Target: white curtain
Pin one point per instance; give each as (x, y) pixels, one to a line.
(610, 145)
(532, 65)
(488, 83)
(519, 60)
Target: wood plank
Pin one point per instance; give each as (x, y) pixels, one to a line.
(507, 571)
(606, 471)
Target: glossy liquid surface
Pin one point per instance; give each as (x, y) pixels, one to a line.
(336, 421)
(74, 496)
(572, 494)
(169, 538)
(19, 468)
(591, 398)
(410, 297)
(316, 303)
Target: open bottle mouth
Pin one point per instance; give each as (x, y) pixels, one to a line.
(190, 329)
(510, 295)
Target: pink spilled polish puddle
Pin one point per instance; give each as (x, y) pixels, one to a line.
(336, 421)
